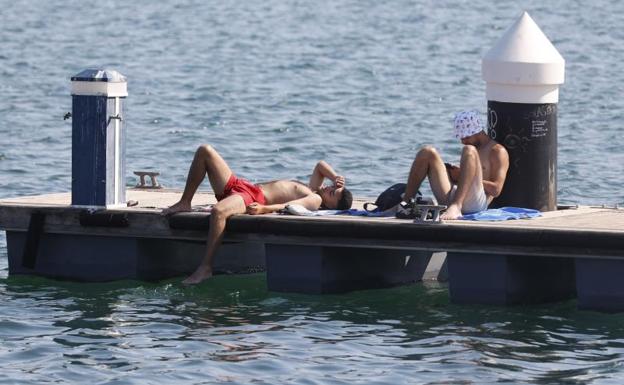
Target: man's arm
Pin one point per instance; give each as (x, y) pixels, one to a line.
(311, 202)
(453, 172)
(499, 164)
(321, 171)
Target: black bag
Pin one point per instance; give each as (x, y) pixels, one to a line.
(391, 197)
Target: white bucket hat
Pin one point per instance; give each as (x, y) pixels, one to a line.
(467, 123)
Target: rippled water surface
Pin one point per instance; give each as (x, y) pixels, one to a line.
(275, 86)
(231, 330)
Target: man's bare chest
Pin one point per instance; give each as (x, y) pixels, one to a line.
(484, 157)
(286, 190)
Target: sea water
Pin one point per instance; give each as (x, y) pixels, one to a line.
(275, 86)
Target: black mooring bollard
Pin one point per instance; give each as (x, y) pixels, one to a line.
(98, 146)
(523, 72)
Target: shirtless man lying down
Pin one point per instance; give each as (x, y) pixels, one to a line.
(238, 196)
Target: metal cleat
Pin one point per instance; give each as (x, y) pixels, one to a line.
(152, 175)
(424, 213)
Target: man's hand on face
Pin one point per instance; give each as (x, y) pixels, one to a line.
(339, 182)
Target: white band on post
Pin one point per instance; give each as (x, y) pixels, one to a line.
(522, 94)
(99, 82)
(99, 89)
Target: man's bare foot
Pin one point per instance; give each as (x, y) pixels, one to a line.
(178, 207)
(453, 212)
(199, 275)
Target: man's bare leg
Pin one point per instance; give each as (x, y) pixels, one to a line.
(206, 161)
(470, 168)
(234, 204)
(428, 163)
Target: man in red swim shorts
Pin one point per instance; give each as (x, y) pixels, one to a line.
(238, 196)
(249, 192)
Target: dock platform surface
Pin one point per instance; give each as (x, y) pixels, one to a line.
(583, 231)
(582, 218)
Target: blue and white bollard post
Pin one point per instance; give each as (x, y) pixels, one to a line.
(523, 72)
(98, 145)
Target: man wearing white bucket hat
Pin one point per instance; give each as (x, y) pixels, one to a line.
(475, 183)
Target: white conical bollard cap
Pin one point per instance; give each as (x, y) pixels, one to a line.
(523, 66)
(97, 81)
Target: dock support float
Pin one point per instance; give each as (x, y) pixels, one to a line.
(523, 72)
(509, 279)
(325, 269)
(599, 284)
(98, 258)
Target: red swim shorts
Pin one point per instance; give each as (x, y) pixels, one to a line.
(239, 186)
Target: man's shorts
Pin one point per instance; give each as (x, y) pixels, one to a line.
(239, 186)
(475, 201)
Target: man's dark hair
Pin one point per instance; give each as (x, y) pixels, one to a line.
(345, 200)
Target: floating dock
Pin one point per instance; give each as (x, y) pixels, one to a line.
(576, 252)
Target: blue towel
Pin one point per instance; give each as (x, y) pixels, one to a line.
(502, 214)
